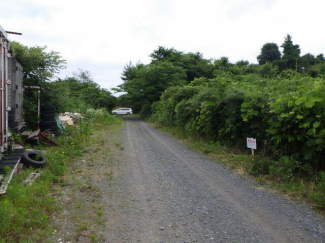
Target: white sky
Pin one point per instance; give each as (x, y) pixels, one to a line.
(102, 36)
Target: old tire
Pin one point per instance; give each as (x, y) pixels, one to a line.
(34, 159)
(11, 117)
(43, 112)
(48, 107)
(48, 123)
(45, 116)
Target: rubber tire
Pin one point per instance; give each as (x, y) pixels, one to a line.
(54, 128)
(12, 124)
(27, 159)
(11, 117)
(48, 107)
(48, 123)
(49, 115)
(47, 112)
(47, 119)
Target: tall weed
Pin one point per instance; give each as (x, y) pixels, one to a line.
(284, 168)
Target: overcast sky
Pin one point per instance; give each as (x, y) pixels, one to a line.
(102, 36)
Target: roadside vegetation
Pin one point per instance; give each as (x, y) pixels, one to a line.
(26, 210)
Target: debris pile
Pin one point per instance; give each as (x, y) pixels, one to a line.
(68, 118)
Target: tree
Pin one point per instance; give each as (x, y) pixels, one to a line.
(148, 82)
(193, 63)
(291, 53)
(268, 70)
(165, 54)
(160, 76)
(130, 71)
(269, 53)
(320, 58)
(306, 61)
(222, 64)
(78, 93)
(242, 63)
(195, 66)
(39, 65)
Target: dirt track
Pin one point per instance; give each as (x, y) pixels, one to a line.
(163, 192)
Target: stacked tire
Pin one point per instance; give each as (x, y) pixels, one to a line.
(12, 123)
(48, 122)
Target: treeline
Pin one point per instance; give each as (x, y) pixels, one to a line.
(76, 93)
(279, 101)
(308, 64)
(144, 84)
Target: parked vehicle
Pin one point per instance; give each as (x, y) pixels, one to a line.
(122, 111)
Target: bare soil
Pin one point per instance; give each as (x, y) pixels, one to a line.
(140, 185)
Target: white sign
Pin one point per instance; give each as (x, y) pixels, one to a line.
(251, 143)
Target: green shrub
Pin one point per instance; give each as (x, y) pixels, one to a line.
(145, 111)
(285, 114)
(321, 181)
(284, 168)
(261, 166)
(318, 199)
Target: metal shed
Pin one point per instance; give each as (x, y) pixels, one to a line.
(4, 54)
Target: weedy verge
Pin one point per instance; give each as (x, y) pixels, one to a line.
(26, 211)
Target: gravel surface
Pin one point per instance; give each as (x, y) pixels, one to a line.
(162, 191)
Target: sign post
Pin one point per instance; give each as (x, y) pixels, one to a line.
(251, 143)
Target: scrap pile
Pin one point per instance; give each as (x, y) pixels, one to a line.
(69, 118)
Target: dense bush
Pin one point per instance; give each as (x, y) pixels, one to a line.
(145, 110)
(286, 116)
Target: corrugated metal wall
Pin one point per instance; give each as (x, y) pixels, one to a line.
(15, 94)
(4, 46)
(3, 92)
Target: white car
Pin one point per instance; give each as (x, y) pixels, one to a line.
(122, 111)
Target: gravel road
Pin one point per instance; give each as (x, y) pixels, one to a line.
(165, 192)
(141, 185)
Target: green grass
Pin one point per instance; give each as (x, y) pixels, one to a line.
(119, 145)
(26, 210)
(99, 211)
